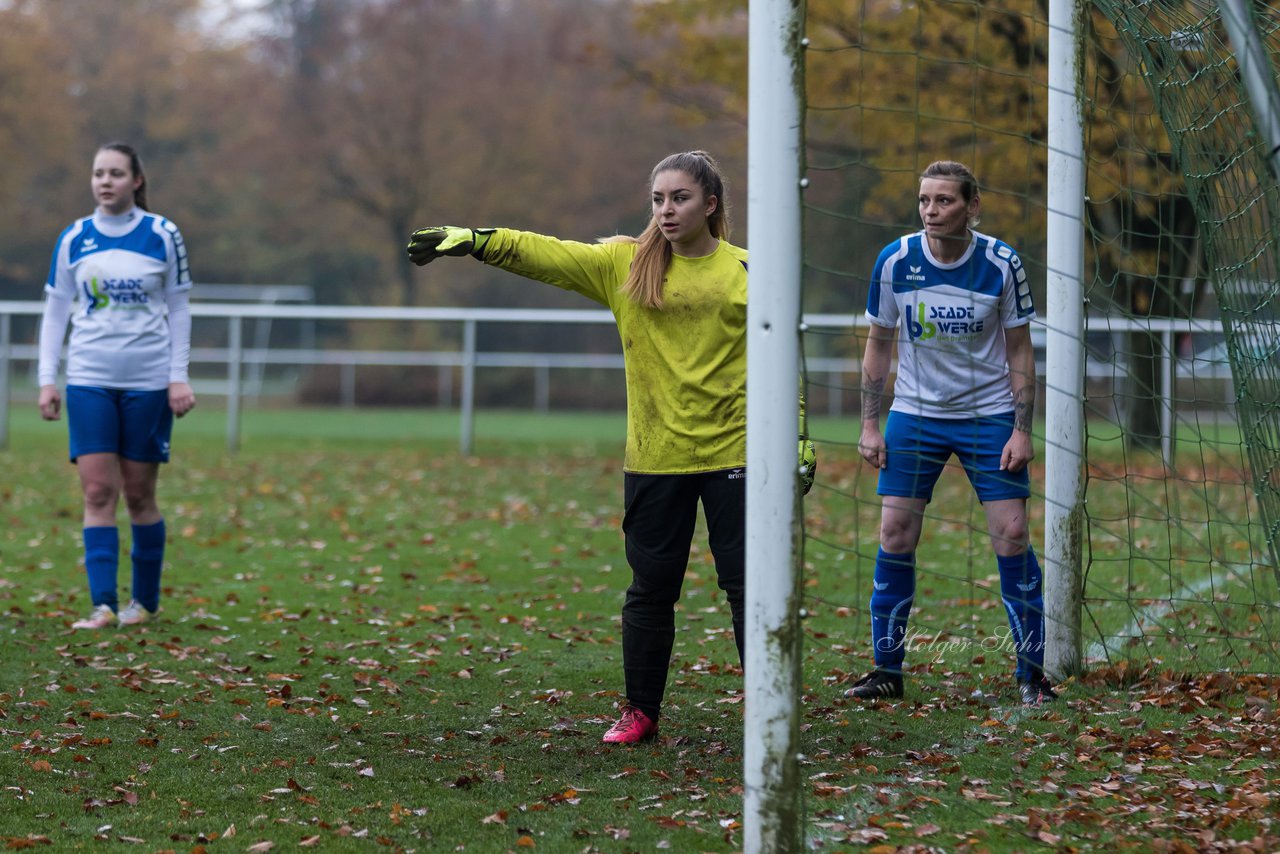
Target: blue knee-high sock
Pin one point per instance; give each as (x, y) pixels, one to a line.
(148, 560)
(894, 587)
(1021, 590)
(101, 561)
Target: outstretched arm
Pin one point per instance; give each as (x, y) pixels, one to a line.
(595, 270)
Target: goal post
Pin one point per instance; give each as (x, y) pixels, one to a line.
(1064, 356)
(771, 799)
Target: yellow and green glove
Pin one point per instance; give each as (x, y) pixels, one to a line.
(428, 244)
(808, 464)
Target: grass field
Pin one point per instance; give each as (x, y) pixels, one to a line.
(368, 642)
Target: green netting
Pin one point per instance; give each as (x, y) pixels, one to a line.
(1183, 55)
(1183, 242)
(1181, 394)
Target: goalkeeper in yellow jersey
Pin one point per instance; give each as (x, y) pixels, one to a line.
(678, 293)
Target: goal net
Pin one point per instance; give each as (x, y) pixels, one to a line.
(1182, 350)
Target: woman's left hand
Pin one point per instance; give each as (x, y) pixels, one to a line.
(1018, 451)
(181, 398)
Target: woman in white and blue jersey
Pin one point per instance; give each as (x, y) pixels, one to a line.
(120, 276)
(958, 305)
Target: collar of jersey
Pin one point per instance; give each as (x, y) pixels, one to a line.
(117, 225)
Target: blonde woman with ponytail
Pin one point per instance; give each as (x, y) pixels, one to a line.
(679, 295)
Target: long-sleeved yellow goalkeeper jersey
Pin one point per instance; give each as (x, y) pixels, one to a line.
(686, 363)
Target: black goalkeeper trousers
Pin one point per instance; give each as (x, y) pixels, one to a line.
(658, 522)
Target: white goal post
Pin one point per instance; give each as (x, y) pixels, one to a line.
(772, 819)
(1064, 346)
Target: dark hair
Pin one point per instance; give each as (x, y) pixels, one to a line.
(135, 166)
(653, 254)
(952, 170)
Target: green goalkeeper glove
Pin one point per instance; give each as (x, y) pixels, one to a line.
(428, 244)
(808, 464)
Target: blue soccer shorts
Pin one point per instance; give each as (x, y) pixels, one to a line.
(919, 448)
(134, 424)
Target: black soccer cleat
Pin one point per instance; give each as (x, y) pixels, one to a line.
(1036, 691)
(877, 685)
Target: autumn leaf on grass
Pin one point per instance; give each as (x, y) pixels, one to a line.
(568, 796)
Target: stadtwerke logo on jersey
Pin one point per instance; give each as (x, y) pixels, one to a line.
(100, 293)
(949, 321)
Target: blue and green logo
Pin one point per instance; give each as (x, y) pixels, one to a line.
(95, 298)
(920, 329)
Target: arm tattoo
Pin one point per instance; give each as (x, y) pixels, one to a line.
(872, 394)
(1024, 408)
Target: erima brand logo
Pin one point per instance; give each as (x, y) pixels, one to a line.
(914, 275)
(1029, 586)
(737, 474)
(89, 245)
(880, 585)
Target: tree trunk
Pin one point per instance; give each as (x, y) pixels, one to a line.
(1178, 255)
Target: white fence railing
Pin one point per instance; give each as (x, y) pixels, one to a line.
(237, 357)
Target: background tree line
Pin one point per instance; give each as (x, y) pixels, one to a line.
(304, 149)
(301, 140)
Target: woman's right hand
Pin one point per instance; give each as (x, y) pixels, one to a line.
(428, 244)
(50, 402)
(871, 446)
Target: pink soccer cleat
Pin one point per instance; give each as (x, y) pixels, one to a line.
(632, 728)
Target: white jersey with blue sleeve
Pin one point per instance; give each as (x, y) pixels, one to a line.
(952, 360)
(120, 272)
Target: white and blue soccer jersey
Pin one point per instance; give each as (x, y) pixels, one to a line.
(118, 269)
(952, 361)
